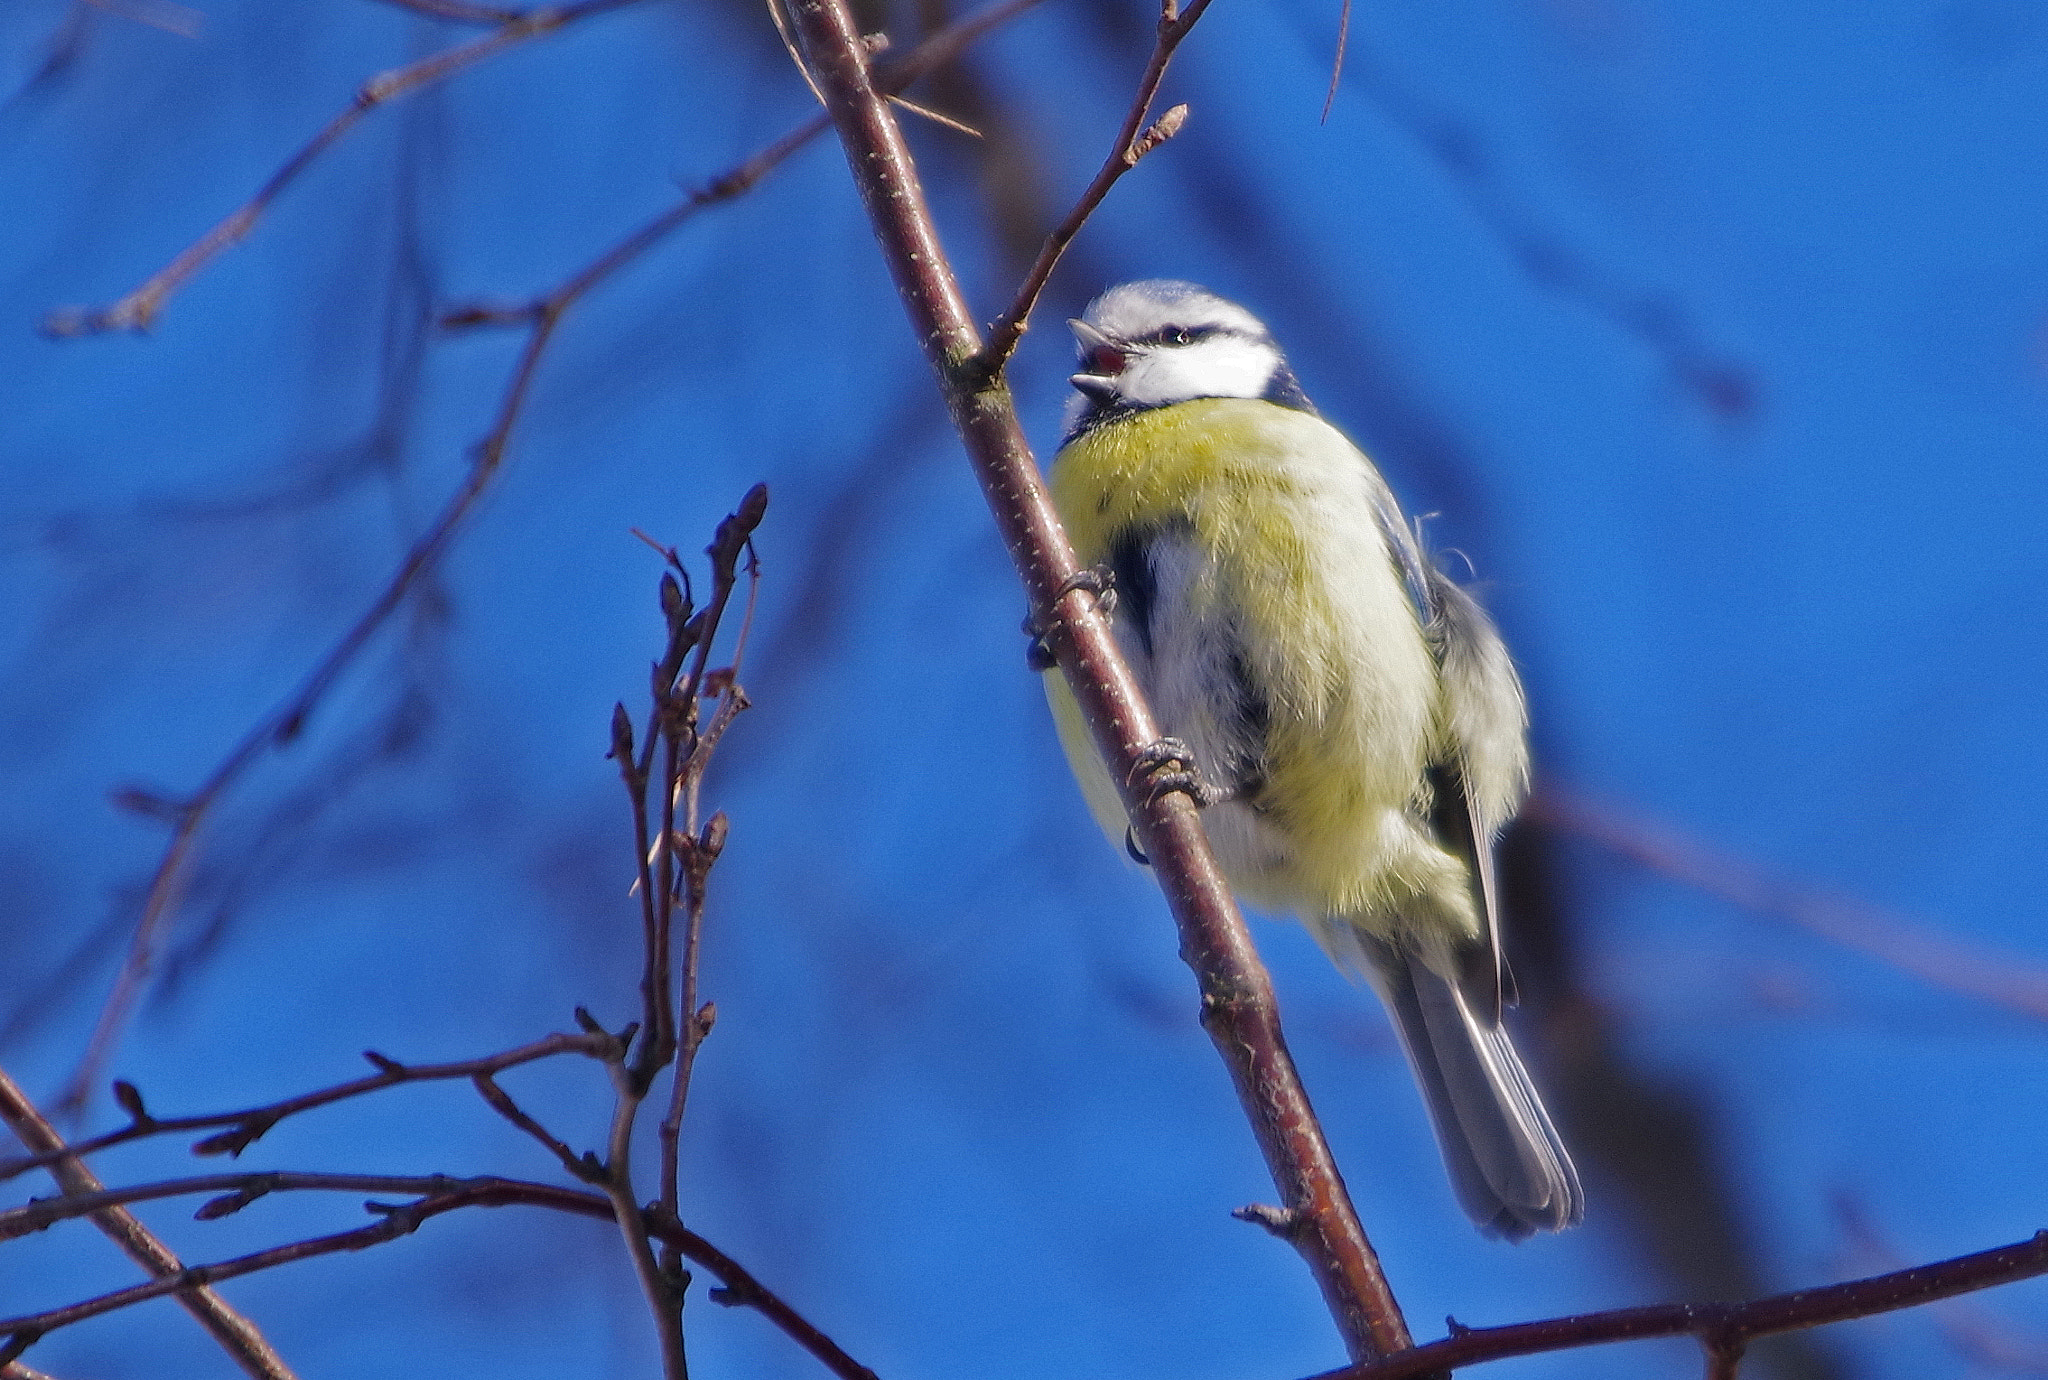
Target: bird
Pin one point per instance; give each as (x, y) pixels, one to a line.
(1356, 724)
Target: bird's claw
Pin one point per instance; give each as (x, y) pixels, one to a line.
(1098, 580)
(1167, 766)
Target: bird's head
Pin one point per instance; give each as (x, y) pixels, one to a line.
(1158, 342)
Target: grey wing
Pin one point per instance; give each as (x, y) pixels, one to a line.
(1480, 772)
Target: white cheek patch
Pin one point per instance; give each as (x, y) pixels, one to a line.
(1223, 366)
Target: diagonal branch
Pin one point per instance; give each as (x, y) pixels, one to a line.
(2015, 981)
(237, 1336)
(1238, 1007)
(1722, 1328)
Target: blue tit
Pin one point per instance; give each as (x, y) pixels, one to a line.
(1353, 709)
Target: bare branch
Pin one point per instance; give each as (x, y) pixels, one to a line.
(1130, 146)
(461, 11)
(741, 1290)
(237, 1191)
(2013, 981)
(583, 1167)
(663, 1291)
(249, 1125)
(238, 1337)
(138, 309)
(1237, 997)
(439, 1194)
(1721, 1327)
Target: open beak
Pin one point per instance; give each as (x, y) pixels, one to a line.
(1101, 362)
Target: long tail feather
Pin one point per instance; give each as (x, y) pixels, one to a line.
(1510, 1170)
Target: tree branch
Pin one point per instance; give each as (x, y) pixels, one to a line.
(439, 1194)
(1722, 1328)
(138, 309)
(237, 1336)
(2015, 981)
(1237, 998)
(250, 1124)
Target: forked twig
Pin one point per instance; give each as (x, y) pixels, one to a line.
(1131, 145)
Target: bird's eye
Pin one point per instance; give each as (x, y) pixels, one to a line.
(1180, 335)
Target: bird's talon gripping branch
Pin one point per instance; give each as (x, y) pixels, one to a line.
(1098, 580)
(1167, 766)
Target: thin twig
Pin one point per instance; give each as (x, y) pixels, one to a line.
(541, 319)
(461, 11)
(241, 1339)
(582, 1166)
(1237, 996)
(1719, 1326)
(663, 1292)
(139, 308)
(741, 1290)
(701, 846)
(234, 1192)
(1130, 146)
(445, 1194)
(1337, 63)
(250, 1124)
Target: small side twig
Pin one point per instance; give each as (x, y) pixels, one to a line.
(583, 1166)
(1131, 146)
(240, 1338)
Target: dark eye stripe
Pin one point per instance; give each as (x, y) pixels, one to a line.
(1177, 335)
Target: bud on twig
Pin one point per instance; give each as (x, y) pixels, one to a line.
(712, 840)
(129, 1098)
(622, 738)
(1163, 128)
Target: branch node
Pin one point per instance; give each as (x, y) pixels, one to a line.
(385, 1065)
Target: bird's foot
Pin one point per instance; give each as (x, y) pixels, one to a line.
(1098, 580)
(1167, 766)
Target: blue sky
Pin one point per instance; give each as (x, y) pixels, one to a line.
(1715, 337)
